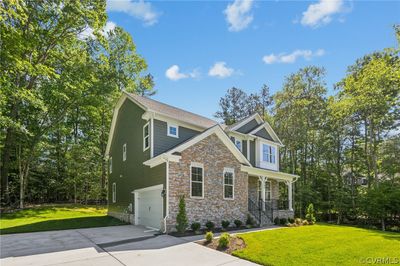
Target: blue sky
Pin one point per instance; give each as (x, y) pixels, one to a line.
(198, 50)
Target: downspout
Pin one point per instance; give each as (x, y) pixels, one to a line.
(166, 194)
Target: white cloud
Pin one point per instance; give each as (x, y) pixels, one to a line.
(219, 69)
(238, 14)
(321, 13)
(88, 32)
(173, 73)
(137, 9)
(292, 57)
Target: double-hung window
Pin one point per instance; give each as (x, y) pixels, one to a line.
(196, 181)
(124, 152)
(114, 192)
(172, 131)
(268, 154)
(146, 137)
(229, 178)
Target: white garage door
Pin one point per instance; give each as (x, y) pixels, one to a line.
(150, 207)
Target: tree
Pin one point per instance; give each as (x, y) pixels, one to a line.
(310, 216)
(233, 106)
(181, 218)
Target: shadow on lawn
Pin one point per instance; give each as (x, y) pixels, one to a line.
(62, 224)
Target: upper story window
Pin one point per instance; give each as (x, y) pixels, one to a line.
(268, 153)
(196, 180)
(172, 131)
(146, 137)
(229, 176)
(124, 152)
(237, 142)
(110, 164)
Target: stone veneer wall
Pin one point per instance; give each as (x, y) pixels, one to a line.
(214, 156)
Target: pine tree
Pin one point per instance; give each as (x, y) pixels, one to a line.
(181, 218)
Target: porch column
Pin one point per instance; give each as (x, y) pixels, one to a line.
(263, 179)
(290, 195)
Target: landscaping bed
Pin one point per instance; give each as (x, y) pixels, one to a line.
(235, 243)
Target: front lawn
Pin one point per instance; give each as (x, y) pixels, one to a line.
(320, 245)
(55, 217)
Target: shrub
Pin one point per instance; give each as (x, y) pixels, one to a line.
(238, 223)
(305, 222)
(223, 240)
(298, 221)
(394, 228)
(249, 220)
(195, 226)
(290, 224)
(225, 224)
(282, 221)
(291, 220)
(310, 214)
(181, 218)
(209, 236)
(210, 225)
(276, 221)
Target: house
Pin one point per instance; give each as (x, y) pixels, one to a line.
(157, 153)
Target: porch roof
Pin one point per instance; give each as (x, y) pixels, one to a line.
(269, 173)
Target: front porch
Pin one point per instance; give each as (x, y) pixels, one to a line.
(270, 195)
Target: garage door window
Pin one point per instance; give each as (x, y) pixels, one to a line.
(197, 181)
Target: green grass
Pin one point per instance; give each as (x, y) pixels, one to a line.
(55, 217)
(319, 245)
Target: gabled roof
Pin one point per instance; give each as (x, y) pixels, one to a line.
(170, 111)
(244, 121)
(270, 131)
(217, 130)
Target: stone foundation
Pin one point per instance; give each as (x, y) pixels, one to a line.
(283, 214)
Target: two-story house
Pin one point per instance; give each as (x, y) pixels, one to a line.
(157, 153)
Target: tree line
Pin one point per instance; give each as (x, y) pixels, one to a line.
(345, 147)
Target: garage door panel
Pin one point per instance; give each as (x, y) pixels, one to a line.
(150, 208)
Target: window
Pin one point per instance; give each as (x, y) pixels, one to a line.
(268, 153)
(146, 137)
(228, 183)
(237, 142)
(267, 190)
(124, 152)
(173, 131)
(110, 164)
(197, 181)
(114, 192)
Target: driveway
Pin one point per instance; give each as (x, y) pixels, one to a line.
(115, 245)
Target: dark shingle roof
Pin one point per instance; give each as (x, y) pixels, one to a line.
(174, 112)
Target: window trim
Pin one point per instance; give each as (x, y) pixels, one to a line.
(110, 165)
(228, 170)
(177, 130)
(124, 152)
(114, 192)
(270, 153)
(197, 165)
(144, 136)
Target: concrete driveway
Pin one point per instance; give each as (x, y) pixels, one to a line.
(115, 245)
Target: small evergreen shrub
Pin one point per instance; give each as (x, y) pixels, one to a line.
(291, 220)
(310, 214)
(249, 220)
(276, 221)
(305, 222)
(238, 223)
(210, 225)
(223, 241)
(181, 218)
(195, 226)
(298, 221)
(209, 236)
(282, 221)
(225, 224)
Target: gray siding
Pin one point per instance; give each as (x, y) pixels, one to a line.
(264, 134)
(248, 127)
(130, 174)
(244, 148)
(163, 142)
(253, 152)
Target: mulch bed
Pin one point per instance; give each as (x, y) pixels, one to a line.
(203, 231)
(235, 243)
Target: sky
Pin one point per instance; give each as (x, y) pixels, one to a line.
(197, 50)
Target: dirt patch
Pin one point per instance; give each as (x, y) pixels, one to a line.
(235, 243)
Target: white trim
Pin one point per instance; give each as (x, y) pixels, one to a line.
(120, 102)
(197, 165)
(124, 152)
(217, 130)
(267, 140)
(248, 150)
(255, 116)
(148, 136)
(270, 131)
(268, 164)
(162, 117)
(177, 130)
(260, 180)
(241, 135)
(235, 139)
(114, 192)
(155, 187)
(136, 193)
(151, 137)
(270, 173)
(232, 171)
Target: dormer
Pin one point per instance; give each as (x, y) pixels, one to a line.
(256, 139)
